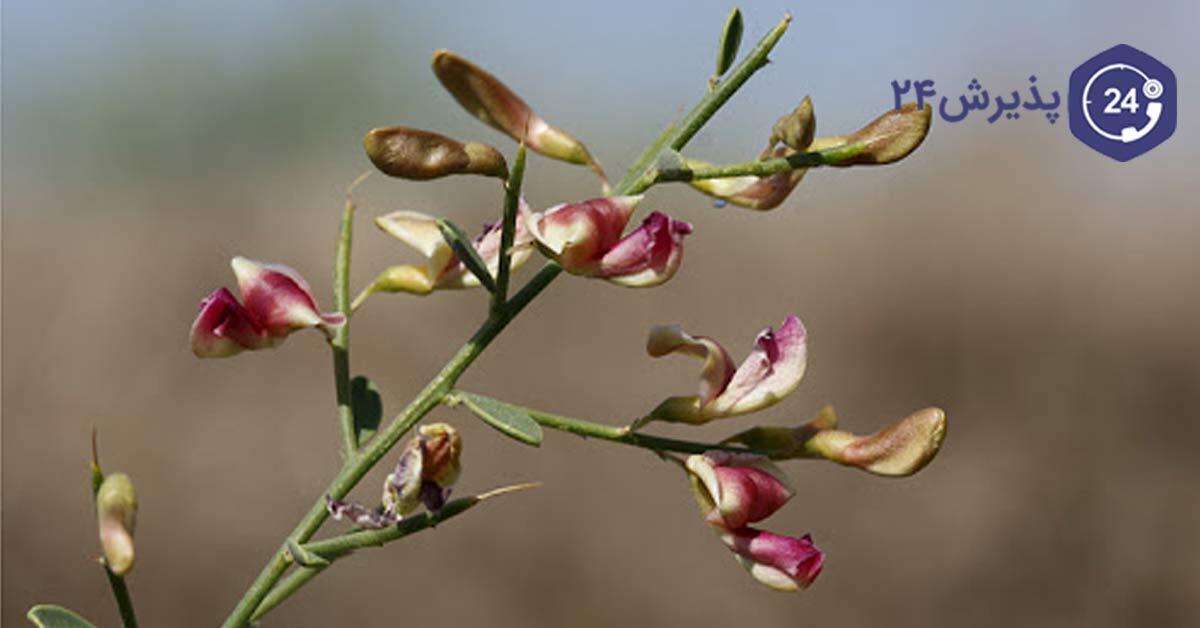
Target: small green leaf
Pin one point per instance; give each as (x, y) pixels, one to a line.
(51, 616)
(508, 419)
(368, 407)
(731, 40)
(304, 557)
(466, 253)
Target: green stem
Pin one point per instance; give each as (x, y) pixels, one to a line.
(829, 156)
(340, 343)
(124, 601)
(512, 198)
(358, 465)
(285, 589)
(623, 435)
(644, 177)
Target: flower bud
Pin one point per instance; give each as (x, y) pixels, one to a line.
(784, 563)
(415, 154)
(116, 511)
(797, 128)
(734, 490)
(493, 103)
(900, 449)
(891, 136)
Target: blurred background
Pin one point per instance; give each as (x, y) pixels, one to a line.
(1043, 294)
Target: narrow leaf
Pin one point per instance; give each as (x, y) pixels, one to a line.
(731, 40)
(368, 407)
(466, 253)
(303, 556)
(508, 419)
(512, 199)
(51, 616)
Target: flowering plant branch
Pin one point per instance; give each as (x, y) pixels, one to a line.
(735, 482)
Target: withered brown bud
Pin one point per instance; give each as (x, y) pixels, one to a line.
(410, 153)
(492, 102)
(891, 136)
(796, 129)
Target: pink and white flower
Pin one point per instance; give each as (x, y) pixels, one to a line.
(784, 563)
(275, 302)
(773, 370)
(734, 490)
(586, 239)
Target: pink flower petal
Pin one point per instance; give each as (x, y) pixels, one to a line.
(224, 328)
(781, 562)
(718, 366)
(650, 255)
(578, 235)
(738, 489)
(279, 299)
(772, 371)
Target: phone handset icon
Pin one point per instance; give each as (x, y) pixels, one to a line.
(1133, 134)
(1152, 89)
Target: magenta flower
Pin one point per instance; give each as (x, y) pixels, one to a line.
(737, 489)
(277, 301)
(734, 490)
(585, 238)
(784, 563)
(772, 371)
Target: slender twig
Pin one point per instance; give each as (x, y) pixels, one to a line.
(755, 60)
(340, 343)
(833, 155)
(356, 467)
(624, 435)
(124, 601)
(508, 230)
(336, 547)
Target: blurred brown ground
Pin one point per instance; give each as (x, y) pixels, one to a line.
(1047, 299)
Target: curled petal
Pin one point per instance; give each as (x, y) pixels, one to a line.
(402, 487)
(279, 299)
(493, 103)
(772, 371)
(783, 563)
(718, 366)
(224, 328)
(734, 490)
(578, 235)
(650, 255)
